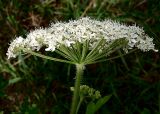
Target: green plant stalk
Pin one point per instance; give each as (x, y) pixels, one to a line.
(79, 104)
(48, 57)
(75, 100)
(123, 60)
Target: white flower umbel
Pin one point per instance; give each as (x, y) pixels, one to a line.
(81, 42)
(74, 35)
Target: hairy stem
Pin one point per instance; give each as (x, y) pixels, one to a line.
(75, 100)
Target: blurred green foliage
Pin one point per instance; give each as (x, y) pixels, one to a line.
(36, 86)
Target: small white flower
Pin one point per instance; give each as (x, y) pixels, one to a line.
(68, 43)
(15, 47)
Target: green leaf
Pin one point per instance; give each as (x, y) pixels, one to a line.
(91, 108)
(145, 111)
(14, 80)
(101, 102)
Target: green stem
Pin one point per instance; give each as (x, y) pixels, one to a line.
(123, 60)
(103, 60)
(79, 104)
(75, 100)
(48, 57)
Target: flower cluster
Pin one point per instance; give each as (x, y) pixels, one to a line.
(81, 30)
(86, 91)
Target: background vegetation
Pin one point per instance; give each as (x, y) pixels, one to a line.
(31, 85)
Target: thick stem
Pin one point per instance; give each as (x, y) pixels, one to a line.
(75, 100)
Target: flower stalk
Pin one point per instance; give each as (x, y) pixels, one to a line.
(75, 100)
